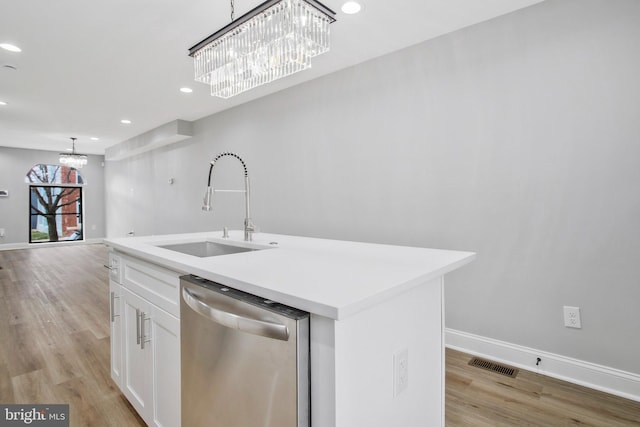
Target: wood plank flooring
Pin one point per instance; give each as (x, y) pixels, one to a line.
(54, 348)
(475, 397)
(54, 334)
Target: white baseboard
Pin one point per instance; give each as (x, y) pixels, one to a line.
(598, 377)
(13, 246)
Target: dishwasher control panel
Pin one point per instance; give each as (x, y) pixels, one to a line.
(266, 304)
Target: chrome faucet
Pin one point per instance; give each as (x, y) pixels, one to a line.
(249, 228)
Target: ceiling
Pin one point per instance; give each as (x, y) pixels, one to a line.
(86, 65)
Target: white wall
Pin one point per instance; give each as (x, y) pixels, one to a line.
(517, 138)
(15, 163)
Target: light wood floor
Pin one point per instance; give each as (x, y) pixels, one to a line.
(54, 348)
(476, 397)
(54, 334)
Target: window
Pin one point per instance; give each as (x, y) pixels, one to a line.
(55, 207)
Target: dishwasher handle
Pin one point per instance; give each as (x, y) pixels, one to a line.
(235, 321)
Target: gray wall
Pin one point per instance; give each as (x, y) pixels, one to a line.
(517, 138)
(14, 210)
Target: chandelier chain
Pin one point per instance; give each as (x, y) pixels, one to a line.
(232, 9)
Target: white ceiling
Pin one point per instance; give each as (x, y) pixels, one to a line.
(85, 65)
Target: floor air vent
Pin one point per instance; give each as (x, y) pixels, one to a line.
(494, 367)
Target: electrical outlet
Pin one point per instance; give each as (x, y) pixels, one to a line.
(400, 371)
(572, 317)
(1, 232)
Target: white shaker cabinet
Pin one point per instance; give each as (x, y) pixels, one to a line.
(165, 367)
(115, 310)
(115, 315)
(150, 346)
(136, 378)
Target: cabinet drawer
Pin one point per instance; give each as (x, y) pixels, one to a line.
(156, 284)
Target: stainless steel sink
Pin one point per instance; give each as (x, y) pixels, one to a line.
(207, 249)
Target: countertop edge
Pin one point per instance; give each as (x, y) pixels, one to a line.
(350, 310)
(136, 249)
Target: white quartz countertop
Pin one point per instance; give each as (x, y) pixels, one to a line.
(331, 278)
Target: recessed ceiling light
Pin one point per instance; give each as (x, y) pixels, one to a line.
(10, 47)
(186, 90)
(93, 138)
(3, 103)
(351, 7)
(125, 121)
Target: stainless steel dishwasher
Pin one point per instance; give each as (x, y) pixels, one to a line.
(245, 360)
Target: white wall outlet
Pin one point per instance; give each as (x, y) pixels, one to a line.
(1, 232)
(572, 317)
(400, 371)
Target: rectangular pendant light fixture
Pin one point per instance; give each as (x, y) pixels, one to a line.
(73, 159)
(274, 40)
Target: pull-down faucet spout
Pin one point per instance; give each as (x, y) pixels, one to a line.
(249, 228)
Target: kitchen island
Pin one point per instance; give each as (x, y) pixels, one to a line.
(377, 351)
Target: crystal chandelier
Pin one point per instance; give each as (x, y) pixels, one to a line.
(73, 159)
(274, 40)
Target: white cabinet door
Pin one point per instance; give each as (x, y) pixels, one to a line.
(151, 361)
(136, 379)
(115, 310)
(145, 338)
(165, 347)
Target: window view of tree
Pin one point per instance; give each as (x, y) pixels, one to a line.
(55, 203)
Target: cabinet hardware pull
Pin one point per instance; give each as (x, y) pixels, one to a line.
(108, 267)
(143, 338)
(138, 326)
(113, 307)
